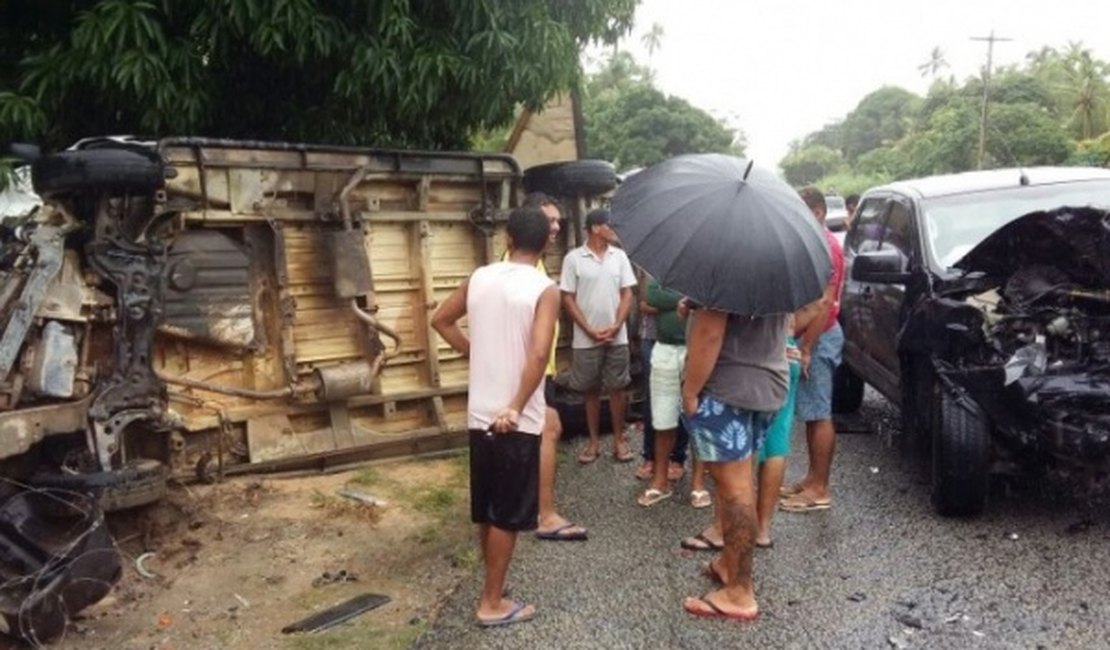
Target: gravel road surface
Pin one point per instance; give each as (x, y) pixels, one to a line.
(878, 570)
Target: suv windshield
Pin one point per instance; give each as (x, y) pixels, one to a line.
(834, 203)
(956, 224)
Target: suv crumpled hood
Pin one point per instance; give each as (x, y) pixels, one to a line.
(1074, 240)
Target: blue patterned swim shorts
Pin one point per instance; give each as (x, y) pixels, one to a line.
(723, 433)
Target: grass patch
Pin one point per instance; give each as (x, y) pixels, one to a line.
(436, 501)
(366, 476)
(429, 534)
(344, 507)
(313, 599)
(461, 465)
(468, 559)
(358, 636)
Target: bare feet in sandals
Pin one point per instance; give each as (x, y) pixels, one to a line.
(589, 454)
(717, 605)
(506, 613)
(622, 453)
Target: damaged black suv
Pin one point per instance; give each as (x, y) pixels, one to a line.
(980, 302)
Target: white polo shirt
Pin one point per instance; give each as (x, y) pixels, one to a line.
(596, 283)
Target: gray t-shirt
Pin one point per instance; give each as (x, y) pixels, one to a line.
(596, 283)
(752, 372)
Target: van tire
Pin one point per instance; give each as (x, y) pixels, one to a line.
(574, 178)
(961, 457)
(98, 171)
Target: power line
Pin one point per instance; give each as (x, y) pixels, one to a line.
(991, 40)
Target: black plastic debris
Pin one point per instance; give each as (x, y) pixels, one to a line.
(341, 613)
(56, 558)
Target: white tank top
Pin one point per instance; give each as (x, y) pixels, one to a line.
(501, 306)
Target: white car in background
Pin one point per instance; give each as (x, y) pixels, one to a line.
(836, 216)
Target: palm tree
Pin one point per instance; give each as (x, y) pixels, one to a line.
(935, 64)
(1087, 90)
(653, 40)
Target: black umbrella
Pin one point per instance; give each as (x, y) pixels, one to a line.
(728, 235)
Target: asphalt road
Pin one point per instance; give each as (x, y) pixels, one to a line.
(878, 570)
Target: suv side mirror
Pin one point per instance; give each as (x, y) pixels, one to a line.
(885, 266)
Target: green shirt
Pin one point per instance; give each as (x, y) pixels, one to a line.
(669, 327)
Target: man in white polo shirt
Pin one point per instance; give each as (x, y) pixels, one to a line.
(596, 284)
(511, 308)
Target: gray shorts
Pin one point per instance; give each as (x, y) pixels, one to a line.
(603, 368)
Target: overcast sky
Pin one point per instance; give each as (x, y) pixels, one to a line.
(780, 69)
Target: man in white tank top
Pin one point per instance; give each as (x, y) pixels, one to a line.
(511, 308)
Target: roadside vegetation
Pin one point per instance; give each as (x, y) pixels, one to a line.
(1052, 109)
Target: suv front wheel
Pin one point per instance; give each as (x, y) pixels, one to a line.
(961, 457)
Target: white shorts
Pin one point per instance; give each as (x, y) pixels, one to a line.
(667, 362)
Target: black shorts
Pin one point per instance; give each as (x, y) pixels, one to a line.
(549, 391)
(504, 479)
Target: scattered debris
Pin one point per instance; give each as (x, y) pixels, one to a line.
(242, 601)
(341, 613)
(1013, 537)
(874, 470)
(328, 578)
(141, 569)
(909, 619)
(362, 497)
(858, 597)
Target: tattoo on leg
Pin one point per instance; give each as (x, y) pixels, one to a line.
(739, 535)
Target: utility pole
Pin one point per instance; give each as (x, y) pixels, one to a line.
(986, 90)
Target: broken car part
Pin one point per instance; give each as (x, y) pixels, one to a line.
(56, 558)
(341, 613)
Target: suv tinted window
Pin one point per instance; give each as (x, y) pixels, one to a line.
(899, 233)
(866, 231)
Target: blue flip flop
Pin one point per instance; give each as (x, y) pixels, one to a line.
(515, 615)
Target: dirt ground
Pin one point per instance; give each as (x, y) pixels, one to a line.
(236, 562)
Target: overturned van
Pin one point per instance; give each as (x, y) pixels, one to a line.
(208, 307)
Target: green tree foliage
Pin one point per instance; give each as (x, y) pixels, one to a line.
(1053, 109)
(808, 164)
(881, 118)
(1094, 152)
(633, 124)
(369, 72)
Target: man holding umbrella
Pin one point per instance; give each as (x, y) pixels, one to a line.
(740, 243)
